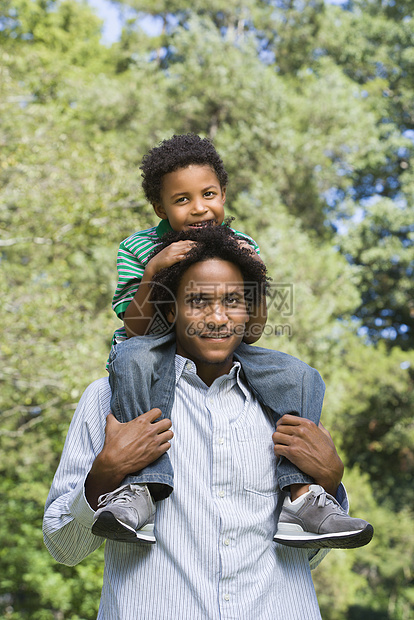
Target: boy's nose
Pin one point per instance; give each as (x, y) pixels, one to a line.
(199, 207)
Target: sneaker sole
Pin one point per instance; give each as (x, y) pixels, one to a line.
(107, 526)
(347, 540)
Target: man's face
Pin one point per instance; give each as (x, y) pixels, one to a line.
(191, 197)
(210, 316)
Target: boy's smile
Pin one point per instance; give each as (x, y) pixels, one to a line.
(210, 316)
(191, 197)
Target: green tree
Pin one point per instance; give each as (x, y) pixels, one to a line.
(310, 106)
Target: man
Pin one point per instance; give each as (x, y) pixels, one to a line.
(215, 556)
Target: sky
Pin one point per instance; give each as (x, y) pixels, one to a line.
(112, 20)
(111, 16)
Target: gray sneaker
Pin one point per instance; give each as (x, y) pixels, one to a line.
(126, 515)
(321, 522)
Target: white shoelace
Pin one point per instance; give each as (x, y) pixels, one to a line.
(119, 496)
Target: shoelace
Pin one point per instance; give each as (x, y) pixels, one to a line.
(117, 497)
(322, 499)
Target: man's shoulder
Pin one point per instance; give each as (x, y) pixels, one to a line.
(97, 390)
(272, 358)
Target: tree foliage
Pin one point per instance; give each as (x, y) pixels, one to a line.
(311, 108)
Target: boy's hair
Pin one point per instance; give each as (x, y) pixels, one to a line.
(212, 242)
(178, 152)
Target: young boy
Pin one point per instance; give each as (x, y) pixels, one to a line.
(185, 181)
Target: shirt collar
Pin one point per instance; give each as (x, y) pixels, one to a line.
(163, 228)
(184, 365)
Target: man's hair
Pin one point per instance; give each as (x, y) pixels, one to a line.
(213, 241)
(180, 151)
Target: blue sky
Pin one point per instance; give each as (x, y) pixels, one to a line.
(111, 16)
(112, 19)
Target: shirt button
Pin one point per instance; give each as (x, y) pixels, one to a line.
(221, 493)
(221, 441)
(226, 597)
(188, 365)
(227, 542)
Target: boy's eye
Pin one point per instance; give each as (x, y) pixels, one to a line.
(181, 199)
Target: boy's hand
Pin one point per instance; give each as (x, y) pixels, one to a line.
(169, 256)
(245, 244)
(139, 313)
(127, 448)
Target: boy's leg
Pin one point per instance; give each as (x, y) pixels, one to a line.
(138, 384)
(313, 519)
(142, 376)
(285, 385)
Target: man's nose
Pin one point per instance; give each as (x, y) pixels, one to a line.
(217, 315)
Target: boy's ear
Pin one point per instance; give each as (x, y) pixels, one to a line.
(223, 193)
(159, 210)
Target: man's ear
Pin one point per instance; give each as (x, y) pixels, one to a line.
(159, 210)
(171, 314)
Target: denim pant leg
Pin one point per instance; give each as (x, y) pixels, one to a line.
(284, 384)
(142, 376)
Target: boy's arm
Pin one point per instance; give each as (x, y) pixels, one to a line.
(140, 312)
(258, 314)
(256, 323)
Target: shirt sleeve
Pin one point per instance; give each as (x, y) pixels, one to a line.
(68, 516)
(316, 557)
(130, 271)
(249, 239)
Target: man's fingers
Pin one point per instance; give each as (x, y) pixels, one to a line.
(150, 415)
(323, 429)
(281, 439)
(289, 419)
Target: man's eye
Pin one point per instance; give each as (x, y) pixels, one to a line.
(197, 301)
(233, 300)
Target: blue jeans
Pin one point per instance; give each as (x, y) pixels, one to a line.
(142, 376)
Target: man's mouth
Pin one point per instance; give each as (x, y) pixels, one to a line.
(216, 335)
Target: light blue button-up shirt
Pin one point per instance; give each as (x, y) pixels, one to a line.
(215, 557)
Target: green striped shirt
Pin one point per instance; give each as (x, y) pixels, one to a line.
(132, 258)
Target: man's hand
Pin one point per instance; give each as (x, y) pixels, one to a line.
(311, 449)
(127, 448)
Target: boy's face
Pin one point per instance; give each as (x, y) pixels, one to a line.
(191, 197)
(210, 316)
